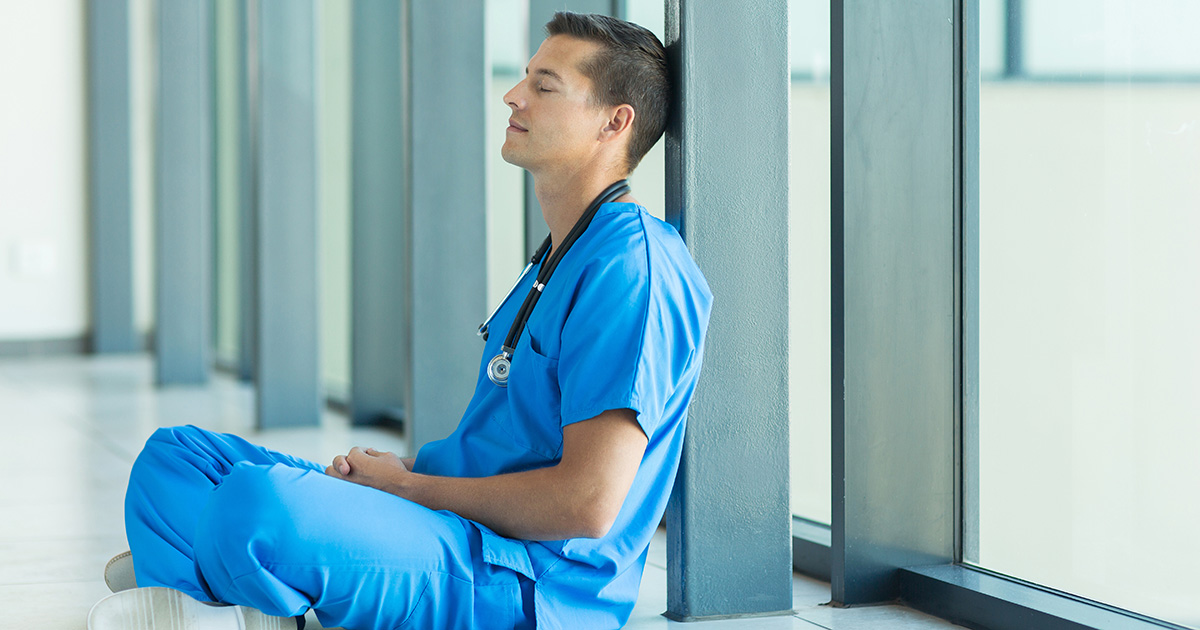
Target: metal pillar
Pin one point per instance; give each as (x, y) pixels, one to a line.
(1014, 39)
(894, 198)
(247, 53)
(110, 162)
(729, 538)
(183, 193)
(288, 368)
(380, 352)
(449, 202)
(540, 12)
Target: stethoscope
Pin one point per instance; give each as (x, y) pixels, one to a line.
(500, 365)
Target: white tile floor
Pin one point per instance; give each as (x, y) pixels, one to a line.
(71, 427)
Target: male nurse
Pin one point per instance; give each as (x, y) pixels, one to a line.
(538, 510)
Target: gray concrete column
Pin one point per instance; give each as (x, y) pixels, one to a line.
(380, 351)
(287, 367)
(183, 194)
(894, 197)
(449, 203)
(729, 545)
(110, 162)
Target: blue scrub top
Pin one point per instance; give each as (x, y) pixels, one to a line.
(619, 325)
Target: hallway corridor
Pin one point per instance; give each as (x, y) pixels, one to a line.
(72, 427)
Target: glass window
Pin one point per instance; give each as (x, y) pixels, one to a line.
(808, 260)
(649, 181)
(508, 43)
(1112, 37)
(1088, 348)
(992, 35)
(334, 24)
(143, 59)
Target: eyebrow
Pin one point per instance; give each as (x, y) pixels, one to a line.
(547, 72)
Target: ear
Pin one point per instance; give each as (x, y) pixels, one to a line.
(619, 123)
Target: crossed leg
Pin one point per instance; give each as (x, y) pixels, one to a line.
(224, 520)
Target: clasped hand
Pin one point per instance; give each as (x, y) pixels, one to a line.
(368, 467)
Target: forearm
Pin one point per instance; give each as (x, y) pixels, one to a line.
(531, 505)
(580, 496)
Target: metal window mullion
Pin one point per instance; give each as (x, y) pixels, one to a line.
(247, 79)
(216, 300)
(967, 546)
(894, 133)
(979, 598)
(1014, 38)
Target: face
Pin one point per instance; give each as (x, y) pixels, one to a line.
(553, 122)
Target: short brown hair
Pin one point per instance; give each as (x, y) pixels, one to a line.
(631, 68)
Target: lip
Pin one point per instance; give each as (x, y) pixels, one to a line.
(513, 126)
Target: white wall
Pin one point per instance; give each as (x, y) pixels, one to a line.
(43, 185)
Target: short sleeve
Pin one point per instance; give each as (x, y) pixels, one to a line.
(612, 346)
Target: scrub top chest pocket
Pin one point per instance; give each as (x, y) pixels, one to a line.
(533, 417)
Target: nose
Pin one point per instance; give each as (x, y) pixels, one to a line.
(515, 97)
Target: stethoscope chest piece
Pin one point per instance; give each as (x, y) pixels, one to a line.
(500, 365)
(498, 369)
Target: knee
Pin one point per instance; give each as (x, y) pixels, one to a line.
(246, 516)
(174, 436)
(162, 449)
(168, 441)
(162, 446)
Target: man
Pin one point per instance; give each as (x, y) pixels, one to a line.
(538, 510)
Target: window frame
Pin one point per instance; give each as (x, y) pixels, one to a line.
(956, 590)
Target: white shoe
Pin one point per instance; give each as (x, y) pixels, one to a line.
(161, 608)
(118, 573)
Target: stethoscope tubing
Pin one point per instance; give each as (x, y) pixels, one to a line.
(498, 367)
(483, 328)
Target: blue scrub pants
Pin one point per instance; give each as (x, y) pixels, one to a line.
(224, 520)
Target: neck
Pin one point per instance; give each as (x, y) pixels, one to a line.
(564, 200)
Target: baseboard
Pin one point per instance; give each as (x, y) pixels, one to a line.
(58, 346)
(29, 348)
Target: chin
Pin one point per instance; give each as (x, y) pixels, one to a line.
(512, 157)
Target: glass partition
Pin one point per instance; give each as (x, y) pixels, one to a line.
(808, 259)
(1088, 372)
